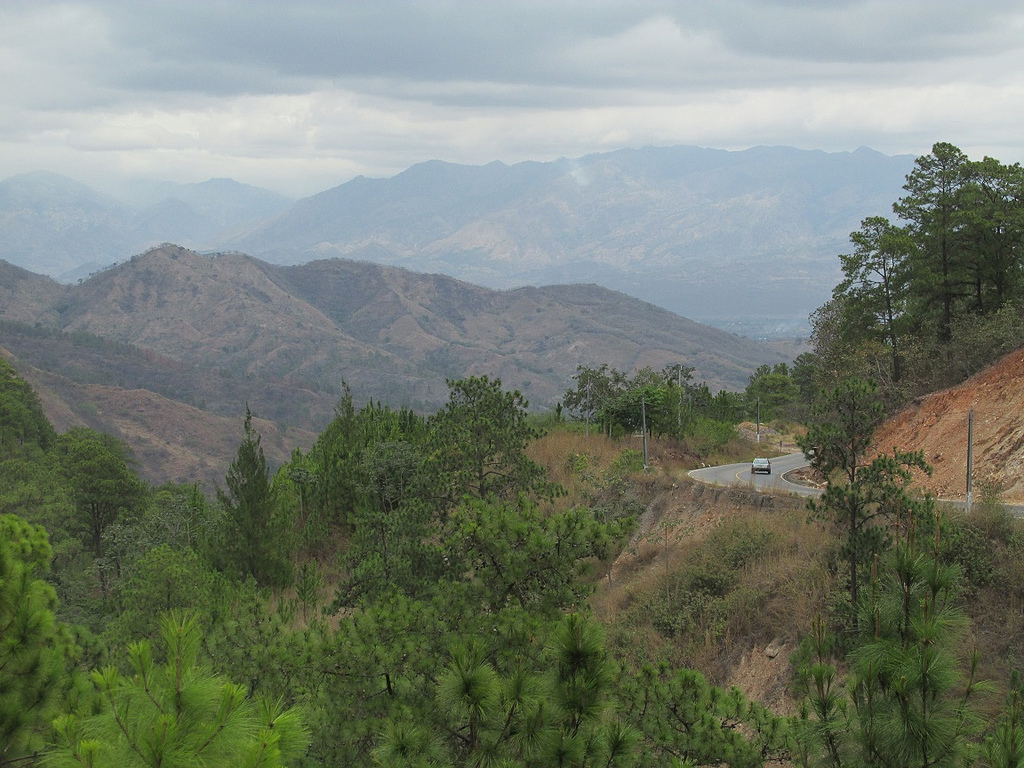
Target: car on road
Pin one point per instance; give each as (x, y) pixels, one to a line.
(761, 465)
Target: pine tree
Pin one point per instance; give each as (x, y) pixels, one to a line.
(860, 493)
(876, 284)
(1004, 746)
(23, 425)
(257, 542)
(34, 650)
(906, 702)
(933, 208)
(176, 714)
(479, 440)
(104, 484)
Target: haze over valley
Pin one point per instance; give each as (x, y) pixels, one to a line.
(742, 240)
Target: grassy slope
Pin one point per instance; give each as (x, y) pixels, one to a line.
(729, 580)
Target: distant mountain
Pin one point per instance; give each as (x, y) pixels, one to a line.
(744, 240)
(212, 210)
(213, 334)
(709, 234)
(27, 296)
(389, 332)
(53, 225)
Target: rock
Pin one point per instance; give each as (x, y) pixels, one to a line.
(775, 647)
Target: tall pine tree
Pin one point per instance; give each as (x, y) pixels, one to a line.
(257, 541)
(33, 648)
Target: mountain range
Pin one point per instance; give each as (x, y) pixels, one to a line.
(213, 334)
(742, 240)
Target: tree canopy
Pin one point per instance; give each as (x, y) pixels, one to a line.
(923, 286)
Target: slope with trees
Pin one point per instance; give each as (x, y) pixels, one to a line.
(935, 294)
(428, 600)
(459, 630)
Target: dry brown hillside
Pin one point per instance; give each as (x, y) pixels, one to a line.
(937, 425)
(173, 442)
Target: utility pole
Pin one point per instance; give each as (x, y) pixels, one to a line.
(970, 456)
(643, 419)
(679, 403)
(589, 406)
(758, 420)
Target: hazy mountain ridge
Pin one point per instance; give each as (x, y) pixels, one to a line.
(742, 239)
(389, 332)
(323, 321)
(54, 225)
(704, 233)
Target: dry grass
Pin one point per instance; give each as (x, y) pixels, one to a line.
(795, 569)
(654, 605)
(588, 468)
(775, 593)
(559, 452)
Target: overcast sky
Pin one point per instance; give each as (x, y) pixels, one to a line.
(302, 95)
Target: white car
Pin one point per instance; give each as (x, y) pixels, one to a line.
(761, 465)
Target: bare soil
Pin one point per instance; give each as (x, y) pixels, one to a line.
(937, 424)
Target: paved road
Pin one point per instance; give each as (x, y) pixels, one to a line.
(739, 474)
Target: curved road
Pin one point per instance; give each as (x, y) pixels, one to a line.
(739, 474)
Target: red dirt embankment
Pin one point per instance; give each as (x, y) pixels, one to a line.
(937, 425)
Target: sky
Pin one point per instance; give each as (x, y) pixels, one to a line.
(302, 95)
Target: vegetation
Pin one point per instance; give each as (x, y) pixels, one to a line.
(175, 713)
(455, 629)
(256, 537)
(34, 650)
(420, 624)
(670, 404)
(936, 293)
(439, 590)
(866, 496)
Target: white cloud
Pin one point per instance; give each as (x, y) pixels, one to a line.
(305, 94)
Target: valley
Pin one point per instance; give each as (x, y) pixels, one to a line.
(214, 334)
(327, 463)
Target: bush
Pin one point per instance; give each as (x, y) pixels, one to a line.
(710, 435)
(628, 462)
(966, 546)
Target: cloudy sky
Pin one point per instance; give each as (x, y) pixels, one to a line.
(301, 95)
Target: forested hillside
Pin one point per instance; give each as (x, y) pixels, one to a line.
(935, 291)
(410, 586)
(933, 295)
(417, 591)
(484, 586)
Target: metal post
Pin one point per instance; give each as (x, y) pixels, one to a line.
(679, 399)
(643, 418)
(970, 456)
(589, 406)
